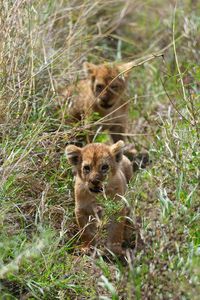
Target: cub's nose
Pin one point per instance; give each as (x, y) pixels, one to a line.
(94, 181)
(104, 98)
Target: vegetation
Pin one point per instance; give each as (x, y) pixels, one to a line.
(42, 46)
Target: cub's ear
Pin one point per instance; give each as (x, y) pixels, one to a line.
(125, 68)
(117, 150)
(89, 68)
(73, 154)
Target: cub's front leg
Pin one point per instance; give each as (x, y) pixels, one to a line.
(87, 224)
(118, 132)
(116, 230)
(87, 214)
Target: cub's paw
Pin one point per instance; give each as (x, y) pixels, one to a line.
(86, 248)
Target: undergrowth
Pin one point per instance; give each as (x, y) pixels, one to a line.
(43, 45)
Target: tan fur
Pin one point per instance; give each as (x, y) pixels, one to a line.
(100, 93)
(99, 169)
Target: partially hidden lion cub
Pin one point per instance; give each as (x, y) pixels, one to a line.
(103, 92)
(100, 170)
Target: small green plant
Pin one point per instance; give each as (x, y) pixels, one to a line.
(43, 46)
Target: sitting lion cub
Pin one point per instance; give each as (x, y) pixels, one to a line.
(102, 92)
(100, 169)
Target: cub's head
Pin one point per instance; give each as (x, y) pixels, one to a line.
(95, 163)
(106, 89)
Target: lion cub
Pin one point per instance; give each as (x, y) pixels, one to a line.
(100, 169)
(102, 92)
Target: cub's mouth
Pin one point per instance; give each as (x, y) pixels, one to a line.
(96, 190)
(105, 102)
(106, 105)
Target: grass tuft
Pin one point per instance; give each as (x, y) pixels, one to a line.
(43, 45)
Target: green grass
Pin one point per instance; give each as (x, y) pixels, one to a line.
(43, 46)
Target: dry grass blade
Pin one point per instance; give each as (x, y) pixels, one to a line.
(43, 45)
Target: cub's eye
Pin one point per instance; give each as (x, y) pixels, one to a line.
(99, 88)
(104, 168)
(86, 169)
(114, 87)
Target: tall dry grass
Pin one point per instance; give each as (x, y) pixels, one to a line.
(43, 45)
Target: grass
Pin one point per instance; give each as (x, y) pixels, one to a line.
(43, 46)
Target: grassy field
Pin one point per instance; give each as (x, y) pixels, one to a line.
(43, 45)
